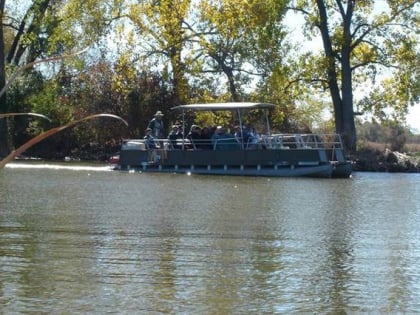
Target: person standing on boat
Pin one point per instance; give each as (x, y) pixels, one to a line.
(149, 140)
(157, 125)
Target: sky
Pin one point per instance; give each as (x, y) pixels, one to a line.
(413, 118)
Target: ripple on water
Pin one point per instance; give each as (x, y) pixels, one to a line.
(96, 242)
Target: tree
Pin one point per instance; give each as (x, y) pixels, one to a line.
(240, 39)
(4, 147)
(163, 26)
(45, 28)
(360, 47)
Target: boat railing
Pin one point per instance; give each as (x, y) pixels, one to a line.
(303, 141)
(273, 141)
(165, 144)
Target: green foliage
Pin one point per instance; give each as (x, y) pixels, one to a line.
(163, 26)
(42, 28)
(392, 133)
(168, 52)
(235, 35)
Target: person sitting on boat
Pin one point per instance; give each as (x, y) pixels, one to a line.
(205, 140)
(218, 134)
(157, 125)
(253, 139)
(242, 135)
(237, 134)
(222, 140)
(149, 140)
(174, 136)
(194, 136)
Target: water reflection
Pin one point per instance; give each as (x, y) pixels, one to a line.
(330, 281)
(88, 241)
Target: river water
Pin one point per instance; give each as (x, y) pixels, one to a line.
(84, 239)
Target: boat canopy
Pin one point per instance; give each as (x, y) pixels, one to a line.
(224, 106)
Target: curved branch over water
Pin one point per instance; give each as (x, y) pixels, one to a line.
(24, 114)
(51, 132)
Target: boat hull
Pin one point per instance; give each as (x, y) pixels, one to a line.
(342, 169)
(270, 162)
(322, 171)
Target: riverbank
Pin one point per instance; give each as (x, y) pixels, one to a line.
(365, 160)
(372, 160)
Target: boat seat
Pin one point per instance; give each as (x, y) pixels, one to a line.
(226, 144)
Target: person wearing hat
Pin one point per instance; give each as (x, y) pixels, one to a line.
(157, 125)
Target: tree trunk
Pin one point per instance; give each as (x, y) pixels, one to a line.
(331, 71)
(34, 28)
(349, 128)
(221, 61)
(4, 145)
(343, 103)
(232, 86)
(178, 81)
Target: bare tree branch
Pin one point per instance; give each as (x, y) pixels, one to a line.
(23, 114)
(300, 10)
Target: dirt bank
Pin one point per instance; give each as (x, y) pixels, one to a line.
(385, 161)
